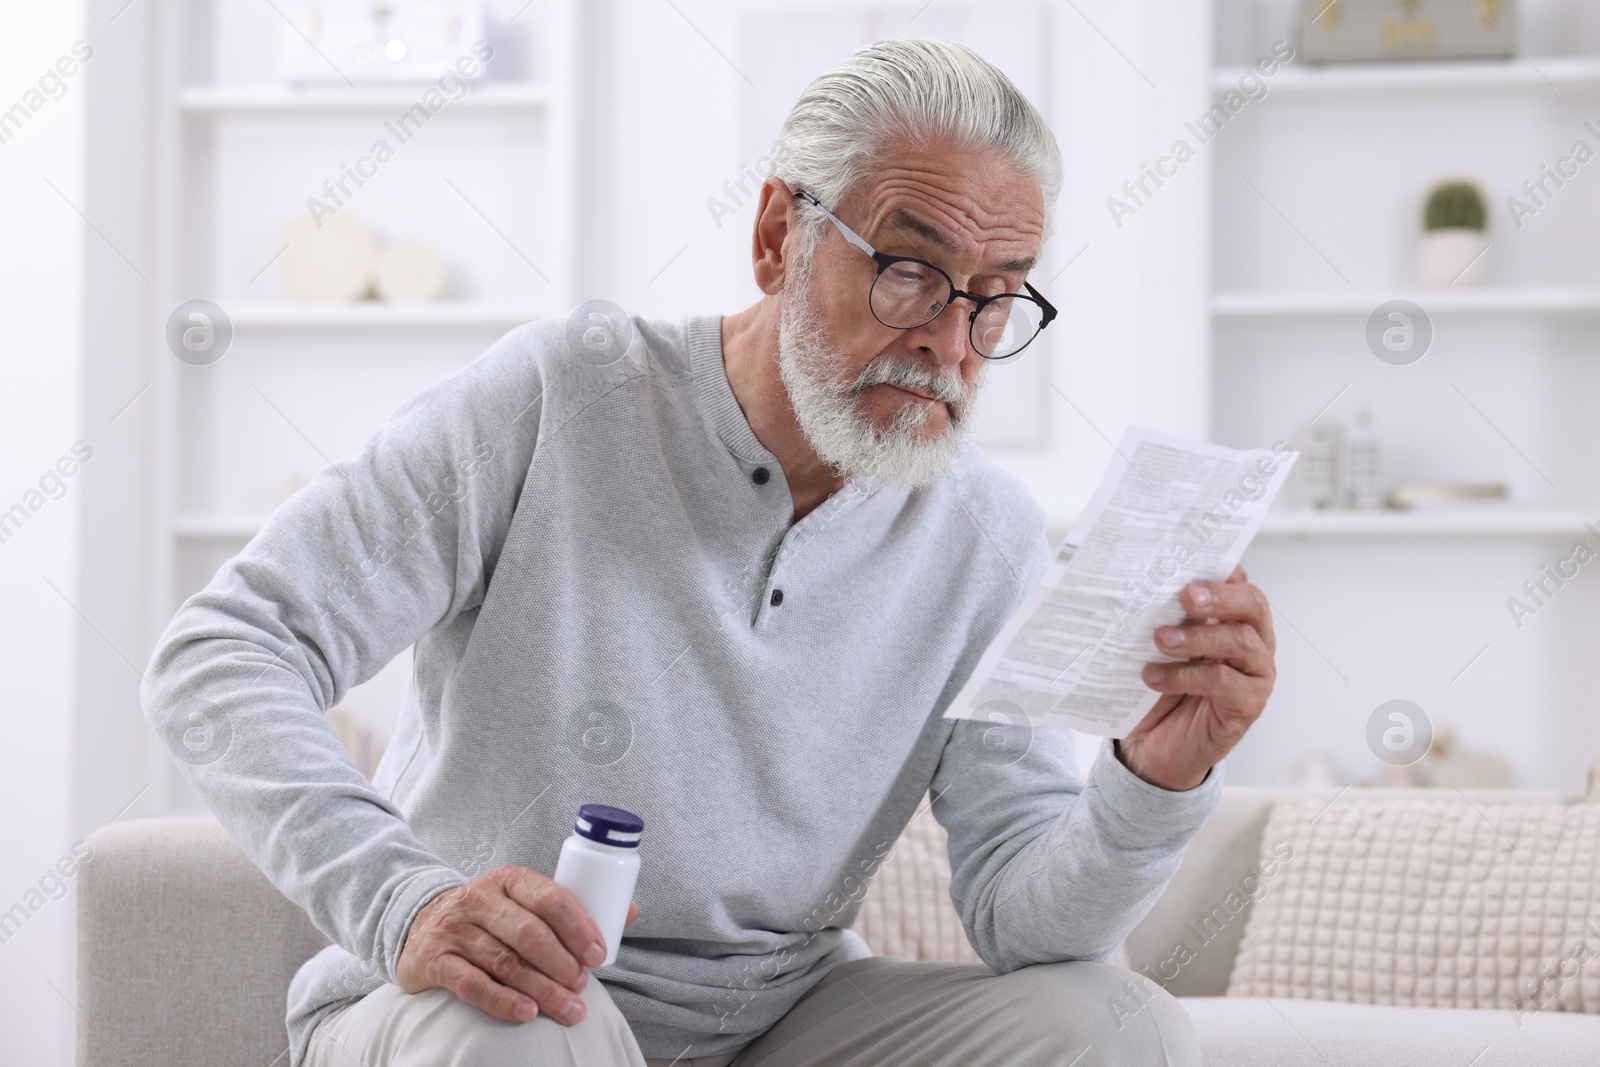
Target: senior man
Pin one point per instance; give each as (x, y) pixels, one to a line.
(728, 577)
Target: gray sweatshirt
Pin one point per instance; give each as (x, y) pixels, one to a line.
(596, 564)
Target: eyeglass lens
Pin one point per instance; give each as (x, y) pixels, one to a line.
(907, 294)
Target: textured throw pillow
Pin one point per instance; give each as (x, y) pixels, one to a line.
(907, 910)
(1429, 903)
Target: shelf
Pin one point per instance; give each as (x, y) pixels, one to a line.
(1488, 300)
(1453, 522)
(1544, 74)
(1436, 523)
(216, 527)
(249, 100)
(1459, 522)
(376, 315)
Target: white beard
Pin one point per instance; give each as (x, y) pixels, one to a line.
(829, 411)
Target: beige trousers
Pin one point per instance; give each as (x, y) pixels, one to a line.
(877, 1012)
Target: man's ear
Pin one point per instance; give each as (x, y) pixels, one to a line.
(775, 221)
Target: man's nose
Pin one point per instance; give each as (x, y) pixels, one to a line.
(945, 335)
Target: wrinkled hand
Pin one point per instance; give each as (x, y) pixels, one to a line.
(509, 942)
(1215, 697)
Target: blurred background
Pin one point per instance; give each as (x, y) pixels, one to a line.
(238, 233)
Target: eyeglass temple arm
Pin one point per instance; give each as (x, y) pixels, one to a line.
(849, 234)
(1049, 308)
(855, 239)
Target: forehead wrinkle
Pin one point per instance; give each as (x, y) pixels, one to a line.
(906, 220)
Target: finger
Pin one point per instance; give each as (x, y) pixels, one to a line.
(633, 913)
(1231, 602)
(543, 918)
(482, 992)
(486, 903)
(505, 965)
(1228, 688)
(1238, 574)
(1235, 643)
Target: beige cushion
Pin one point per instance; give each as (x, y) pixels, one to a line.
(907, 910)
(1166, 945)
(1428, 903)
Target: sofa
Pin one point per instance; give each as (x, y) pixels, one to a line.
(185, 953)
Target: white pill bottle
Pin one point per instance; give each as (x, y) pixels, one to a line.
(600, 865)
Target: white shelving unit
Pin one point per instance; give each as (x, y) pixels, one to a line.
(1317, 190)
(1542, 74)
(208, 101)
(237, 155)
(1496, 300)
(1465, 522)
(374, 316)
(216, 528)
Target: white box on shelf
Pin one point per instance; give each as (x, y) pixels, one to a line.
(393, 41)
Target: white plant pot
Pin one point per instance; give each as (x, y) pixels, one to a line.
(1452, 257)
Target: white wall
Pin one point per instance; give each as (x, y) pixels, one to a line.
(40, 303)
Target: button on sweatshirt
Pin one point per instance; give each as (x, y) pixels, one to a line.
(588, 565)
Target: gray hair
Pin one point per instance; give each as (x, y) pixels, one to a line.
(924, 89)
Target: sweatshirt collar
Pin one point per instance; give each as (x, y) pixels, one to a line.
(716, 394)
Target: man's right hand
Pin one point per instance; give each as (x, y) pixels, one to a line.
(511, 942)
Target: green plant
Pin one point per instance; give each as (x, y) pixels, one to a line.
(1454, 205)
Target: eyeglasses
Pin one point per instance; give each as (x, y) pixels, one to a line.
(909, 292)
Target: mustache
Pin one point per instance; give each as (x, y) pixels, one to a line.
(947, 387)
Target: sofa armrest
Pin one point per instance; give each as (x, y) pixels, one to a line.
(1193, 912)
(185, 950)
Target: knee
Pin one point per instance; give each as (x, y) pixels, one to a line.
(1110, 1015)
(478, 1040)
(1142, 1015)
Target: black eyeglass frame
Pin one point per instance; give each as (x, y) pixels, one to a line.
(885, 261)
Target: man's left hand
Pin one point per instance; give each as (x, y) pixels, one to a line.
(1213, 698)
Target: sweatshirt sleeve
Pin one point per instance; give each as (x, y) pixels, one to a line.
(372, 554)
(1046, 867)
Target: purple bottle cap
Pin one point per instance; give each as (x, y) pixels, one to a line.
(609, 826)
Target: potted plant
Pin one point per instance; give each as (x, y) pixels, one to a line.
(1451, 249)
